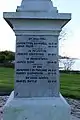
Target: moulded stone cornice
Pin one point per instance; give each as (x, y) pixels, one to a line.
(47, 13)
(36, 32)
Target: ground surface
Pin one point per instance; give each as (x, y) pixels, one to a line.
(70, 83)
(75, 107)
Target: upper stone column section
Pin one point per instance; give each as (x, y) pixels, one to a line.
(36, 6)
(42, 10)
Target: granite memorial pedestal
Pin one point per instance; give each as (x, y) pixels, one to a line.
(37, 25)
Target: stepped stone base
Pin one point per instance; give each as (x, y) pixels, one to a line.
(52, 108)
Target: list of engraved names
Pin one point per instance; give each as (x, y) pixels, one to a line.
(36, 62)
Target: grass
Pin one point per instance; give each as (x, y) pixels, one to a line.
(6, 79)
(69, 83)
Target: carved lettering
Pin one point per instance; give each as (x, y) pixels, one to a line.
(21, 81)
(19, 73)
(51, 81)
(40, 43)
(43, 77)
(34, 73)
(39, 58)
(31, 81)
(36, 65)
(22, 53)
(21, 61)
(30, 61)
(20, 45)
(36, 53)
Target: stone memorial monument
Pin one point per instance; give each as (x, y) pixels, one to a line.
(36, 96)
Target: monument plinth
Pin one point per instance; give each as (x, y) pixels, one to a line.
(37, 25)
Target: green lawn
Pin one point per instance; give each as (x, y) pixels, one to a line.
(6, 79)
(70, 83)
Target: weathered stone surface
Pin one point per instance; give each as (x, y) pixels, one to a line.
(37, 72)
(36, 21)
(36, 108)
(36, 5)
(37, 25)
(75, 104)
